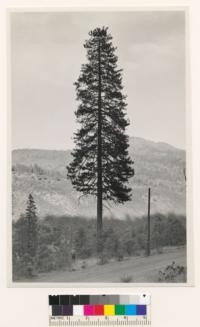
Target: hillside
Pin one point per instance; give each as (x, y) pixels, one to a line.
(43, 173)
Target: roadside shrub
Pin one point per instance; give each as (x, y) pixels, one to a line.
(102, 259)
(172, 273)
(126, 279)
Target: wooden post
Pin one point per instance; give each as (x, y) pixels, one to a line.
(149, 224)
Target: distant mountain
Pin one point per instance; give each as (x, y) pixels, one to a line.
(43, 173)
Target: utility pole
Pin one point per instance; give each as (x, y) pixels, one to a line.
(148, 252)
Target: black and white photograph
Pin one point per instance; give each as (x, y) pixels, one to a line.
(98, 103)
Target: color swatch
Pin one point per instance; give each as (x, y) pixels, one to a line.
(96, 305)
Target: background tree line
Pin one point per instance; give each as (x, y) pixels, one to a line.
(42, 245)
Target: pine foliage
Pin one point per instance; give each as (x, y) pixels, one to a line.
(101, 102)
(32, 227)
(25, 241)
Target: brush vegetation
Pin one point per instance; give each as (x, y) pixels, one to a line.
(61, 238)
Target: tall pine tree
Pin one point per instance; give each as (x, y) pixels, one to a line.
(101, 165)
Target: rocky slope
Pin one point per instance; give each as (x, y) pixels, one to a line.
(43, 173)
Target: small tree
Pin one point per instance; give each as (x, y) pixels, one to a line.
(31, 239)
(101, 165)
(32, 227)
(25, 240)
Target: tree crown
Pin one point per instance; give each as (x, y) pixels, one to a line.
(101, 104)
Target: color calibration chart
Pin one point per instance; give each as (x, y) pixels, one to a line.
(99, 310)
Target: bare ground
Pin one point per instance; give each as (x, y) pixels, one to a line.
(140, 269)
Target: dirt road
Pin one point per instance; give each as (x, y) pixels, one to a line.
(140, 269)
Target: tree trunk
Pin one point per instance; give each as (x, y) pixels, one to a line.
(99, 160)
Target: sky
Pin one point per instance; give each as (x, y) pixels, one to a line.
(46, 56)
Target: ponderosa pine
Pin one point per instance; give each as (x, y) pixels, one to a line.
(101, 164)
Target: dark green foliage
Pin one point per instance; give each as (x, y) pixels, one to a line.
(25, 241)
(101, 101)
(121, 239)
(157, 237)
(173, 273)
(31, 222)
(131, 243)
(82, 246)
(175, 231)
(53, 247)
